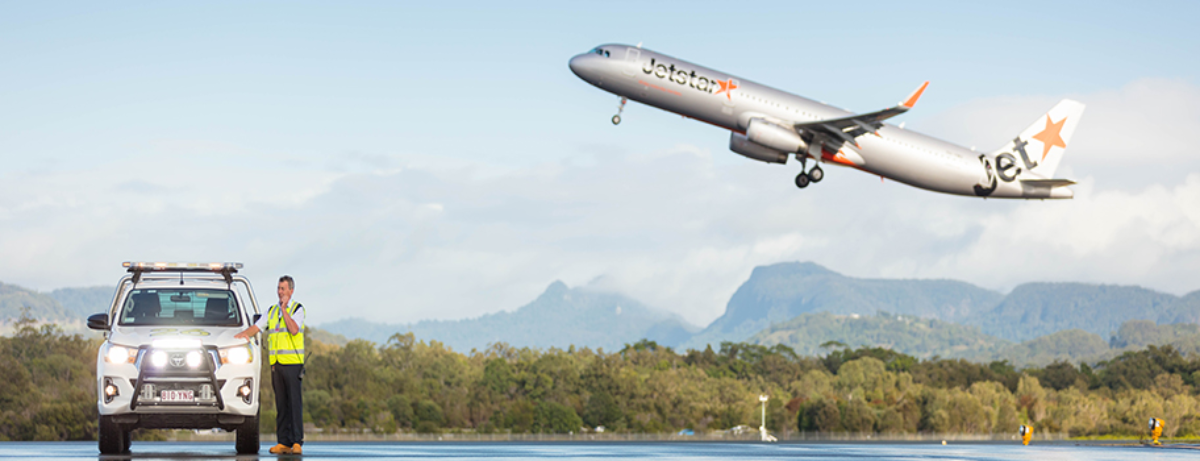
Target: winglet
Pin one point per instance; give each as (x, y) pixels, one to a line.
(912, 99)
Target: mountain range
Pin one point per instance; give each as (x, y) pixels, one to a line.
(781, 292)
(801, 304)
(559, 317)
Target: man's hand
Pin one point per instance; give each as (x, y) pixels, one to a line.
(247, 333)
(290, 323)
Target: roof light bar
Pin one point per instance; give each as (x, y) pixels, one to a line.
(144, 266)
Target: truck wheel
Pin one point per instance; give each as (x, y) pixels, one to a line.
(112, 437)
(247, 437)
(128, 436)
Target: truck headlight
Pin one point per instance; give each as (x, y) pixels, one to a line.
(158, 358)
(120, 354)
(237, 355)
(193, 359)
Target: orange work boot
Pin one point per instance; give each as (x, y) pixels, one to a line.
(296, 449)
(280, 449)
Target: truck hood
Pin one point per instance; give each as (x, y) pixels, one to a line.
(145, 335)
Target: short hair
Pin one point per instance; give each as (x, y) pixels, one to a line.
(290, 281)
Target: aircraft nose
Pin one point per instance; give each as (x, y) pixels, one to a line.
(583, 65)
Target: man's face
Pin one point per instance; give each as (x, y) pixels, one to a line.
(285, 292)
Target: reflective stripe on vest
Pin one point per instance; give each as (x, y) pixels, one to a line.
(283, 347)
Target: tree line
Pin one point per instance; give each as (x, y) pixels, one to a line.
(422, 386)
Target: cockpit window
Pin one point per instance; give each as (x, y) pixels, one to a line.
(181, 307)
(599, 51)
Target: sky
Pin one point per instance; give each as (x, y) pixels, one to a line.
(439, 160)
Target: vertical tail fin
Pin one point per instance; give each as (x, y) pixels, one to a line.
(1039, 149)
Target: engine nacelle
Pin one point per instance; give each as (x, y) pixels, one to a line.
(740, 144)
(776, 137)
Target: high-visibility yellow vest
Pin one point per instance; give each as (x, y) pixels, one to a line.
(283, 347)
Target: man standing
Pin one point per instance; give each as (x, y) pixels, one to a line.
(284, 324)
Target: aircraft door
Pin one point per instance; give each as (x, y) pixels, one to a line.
(632, 57)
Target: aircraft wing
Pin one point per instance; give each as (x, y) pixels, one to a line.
(833, 132)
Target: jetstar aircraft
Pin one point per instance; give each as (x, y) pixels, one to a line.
(769, 125)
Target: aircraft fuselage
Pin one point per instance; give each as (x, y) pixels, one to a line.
(731, 102)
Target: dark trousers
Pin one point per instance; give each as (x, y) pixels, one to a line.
(289, 405)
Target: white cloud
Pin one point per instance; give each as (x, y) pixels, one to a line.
(403, 237)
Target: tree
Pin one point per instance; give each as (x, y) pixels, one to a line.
(1060, 375)
(601, 410)
(823, 416)
(1137, 369)
(556, 418)
(858, 417)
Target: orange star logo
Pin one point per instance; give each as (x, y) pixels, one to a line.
(1050, 136)
(727, 87)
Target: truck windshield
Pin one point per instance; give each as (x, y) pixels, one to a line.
(180, 307)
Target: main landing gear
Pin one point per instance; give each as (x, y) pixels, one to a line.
(815, 175)
(620, 109)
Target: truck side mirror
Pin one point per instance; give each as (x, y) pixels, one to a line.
(98, 322)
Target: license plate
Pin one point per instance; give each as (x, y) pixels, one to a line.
(178, 396)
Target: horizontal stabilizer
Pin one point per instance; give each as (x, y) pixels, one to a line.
(1048, 182)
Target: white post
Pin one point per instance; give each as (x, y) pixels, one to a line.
(763, 399)
(762, 429)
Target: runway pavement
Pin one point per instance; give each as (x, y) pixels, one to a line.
(602, 451)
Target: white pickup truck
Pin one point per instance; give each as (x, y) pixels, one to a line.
(170, 361)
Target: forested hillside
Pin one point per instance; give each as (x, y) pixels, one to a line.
(926, 338)
(14, 300)
(1037, 309)
(82, 302)
(411, 385)
(918, 337)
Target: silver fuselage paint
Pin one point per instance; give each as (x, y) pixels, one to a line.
(730, 102)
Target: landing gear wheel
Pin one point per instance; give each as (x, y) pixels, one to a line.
(247, 437)
(816, 174)
(620, 110)
(112, 436)
(802, 180)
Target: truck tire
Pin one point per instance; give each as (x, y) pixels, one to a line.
(247, 437)
(112, 436)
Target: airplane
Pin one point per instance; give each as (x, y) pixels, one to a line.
(770, 125)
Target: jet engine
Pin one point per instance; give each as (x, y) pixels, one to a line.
(743, 146)
(775, 136)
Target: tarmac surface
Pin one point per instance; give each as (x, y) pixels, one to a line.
(1057, 451)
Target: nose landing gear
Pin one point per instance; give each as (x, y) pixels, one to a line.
(813, 176)
(620, 109)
